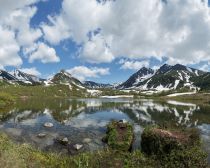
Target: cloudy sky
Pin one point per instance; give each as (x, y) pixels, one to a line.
(103, 40)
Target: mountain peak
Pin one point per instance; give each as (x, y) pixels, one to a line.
(138, 77)
(164, 68)
(179, 67)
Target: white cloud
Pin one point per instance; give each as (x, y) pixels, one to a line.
(32, 71)
(9, 49)
(42, 52)
(17, 33)
(177, 29)
(8, 6)
(133, 65)
(204, 67)
(57, 32)
(96, 51)
(19, 21)
(83, 72)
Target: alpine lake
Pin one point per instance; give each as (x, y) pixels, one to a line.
(83, 121)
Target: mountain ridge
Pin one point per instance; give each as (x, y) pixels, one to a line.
(167, 77)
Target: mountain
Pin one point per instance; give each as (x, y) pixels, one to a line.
(94, 85)
(64, 77)
(165, 78)
(26, 78)
(139, 77)
(4, 75)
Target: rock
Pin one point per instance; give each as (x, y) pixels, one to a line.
(119, 136)
(78, 146)
(174, 146)
(124, 121)
(48, 124)
(86, 140)
(162, 141)
(63, 141)
(41, 135)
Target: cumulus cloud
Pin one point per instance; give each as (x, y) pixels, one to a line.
(19, 21)
(32, 71)
(9, 49)
(96, 51)
(83, 72)
(42, 52)
(176, 29)
(133, 65)
(18, 35)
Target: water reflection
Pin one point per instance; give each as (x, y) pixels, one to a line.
(86, 118)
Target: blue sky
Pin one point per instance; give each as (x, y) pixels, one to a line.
(45, 36)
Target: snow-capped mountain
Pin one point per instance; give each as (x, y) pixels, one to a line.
(165, 78)
(94, 85)
(4, 75)
(138, 77)
(26, 78)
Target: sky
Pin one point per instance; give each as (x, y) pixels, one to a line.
(103, 40)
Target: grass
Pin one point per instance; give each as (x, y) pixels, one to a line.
(6, 99)
(53, 91)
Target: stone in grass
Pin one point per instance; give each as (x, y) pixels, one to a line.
(119, 136)
(174, 147)
(48, 124)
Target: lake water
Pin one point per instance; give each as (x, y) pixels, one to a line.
(83, 121)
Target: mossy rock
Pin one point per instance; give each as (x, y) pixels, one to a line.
(174, 147)
(119, 136)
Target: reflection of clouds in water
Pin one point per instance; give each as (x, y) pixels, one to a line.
(205, 129)
(29, 122)
(84, 120)
(22, 115)
(93, 103)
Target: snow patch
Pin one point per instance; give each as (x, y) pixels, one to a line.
(180, 94)
(176, 84)
(119, 96)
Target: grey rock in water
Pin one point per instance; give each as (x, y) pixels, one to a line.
(63, 141)
(48, 124)
(41, 135)
(78, 146)
(86, 140)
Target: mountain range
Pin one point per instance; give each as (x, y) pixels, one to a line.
(167, 77)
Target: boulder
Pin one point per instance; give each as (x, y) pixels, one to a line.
(78, 146)
(119, 136)
(41, 135)
(48, 124)
(174, 147)
(63, 140)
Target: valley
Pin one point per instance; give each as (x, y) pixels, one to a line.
(47, 114)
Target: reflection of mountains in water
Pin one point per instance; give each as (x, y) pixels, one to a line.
(142, 111)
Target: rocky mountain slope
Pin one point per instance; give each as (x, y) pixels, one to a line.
(165, 78)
